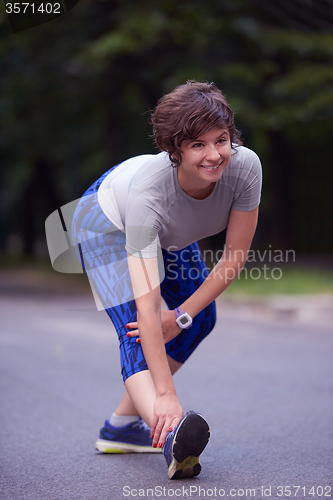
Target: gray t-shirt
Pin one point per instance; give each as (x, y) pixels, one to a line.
(142, 197)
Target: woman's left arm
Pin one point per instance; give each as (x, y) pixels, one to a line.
(240, 232)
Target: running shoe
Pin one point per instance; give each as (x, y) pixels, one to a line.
(184, 444)
(132, 438)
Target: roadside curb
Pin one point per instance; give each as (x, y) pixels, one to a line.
(316, 308)
(305, 308)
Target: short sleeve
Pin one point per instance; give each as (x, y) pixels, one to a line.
(248, 190)
(142, 226)
(142, 241)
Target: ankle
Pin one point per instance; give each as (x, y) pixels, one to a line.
(122, 420)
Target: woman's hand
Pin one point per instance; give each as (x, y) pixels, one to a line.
(170, 329)
(167, 414)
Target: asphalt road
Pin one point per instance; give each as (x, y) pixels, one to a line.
(265, 387)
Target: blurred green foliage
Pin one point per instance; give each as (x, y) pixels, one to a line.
(75, 95)
(287, 281)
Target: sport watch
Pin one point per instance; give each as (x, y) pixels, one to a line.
(183, 319)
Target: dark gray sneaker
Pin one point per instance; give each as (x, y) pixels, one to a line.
(184, 444)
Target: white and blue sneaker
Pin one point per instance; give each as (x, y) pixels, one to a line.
(184, 444)
(131, 438)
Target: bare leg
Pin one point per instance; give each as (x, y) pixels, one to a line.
(128, 407)
(141, 391)
(174, 365)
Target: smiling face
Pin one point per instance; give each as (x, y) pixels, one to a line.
(203, 162)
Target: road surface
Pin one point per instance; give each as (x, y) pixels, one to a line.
(263, 384)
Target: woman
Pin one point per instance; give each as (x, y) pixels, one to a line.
(136, 229)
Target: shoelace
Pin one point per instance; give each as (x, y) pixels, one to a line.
(141, 424)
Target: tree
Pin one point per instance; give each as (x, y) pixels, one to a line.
(75, 92)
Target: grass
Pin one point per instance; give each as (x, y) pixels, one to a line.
(290, 279)
(287, 280)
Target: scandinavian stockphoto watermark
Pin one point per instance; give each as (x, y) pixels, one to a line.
(126, 263)
(229, 264)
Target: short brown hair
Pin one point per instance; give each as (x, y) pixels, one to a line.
(188, 112)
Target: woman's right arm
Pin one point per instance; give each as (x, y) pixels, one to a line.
(145, 282)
